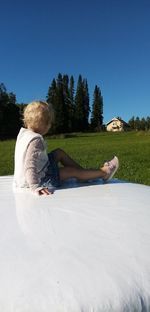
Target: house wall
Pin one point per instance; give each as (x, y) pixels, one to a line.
(115, 125)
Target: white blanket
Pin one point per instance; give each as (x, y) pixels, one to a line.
(86, 248)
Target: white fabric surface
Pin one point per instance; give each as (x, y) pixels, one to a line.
(83, 249)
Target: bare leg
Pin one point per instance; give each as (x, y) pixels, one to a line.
(72, 169)
(65, 159)
(82, 174)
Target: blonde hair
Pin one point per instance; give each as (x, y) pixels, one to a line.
(38, 115)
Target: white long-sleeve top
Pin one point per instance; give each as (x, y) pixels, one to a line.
(31, 160)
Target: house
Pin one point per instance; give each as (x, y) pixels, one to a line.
(117, 124)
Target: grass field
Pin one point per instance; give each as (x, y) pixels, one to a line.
(92, 149)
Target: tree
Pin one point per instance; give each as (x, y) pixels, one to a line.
(131, 123)
(52, 99)
(82, 105)
(97, 110)
(71, 105)
(143, 124)
(51, 96)
(71, 89)
(137, 123)
(148, 123)
(86, 104)
(21, 107)
(67, 104)
(59, 107)
(10, 121)
(55, 98)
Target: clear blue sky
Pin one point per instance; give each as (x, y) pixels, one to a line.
(106, 41)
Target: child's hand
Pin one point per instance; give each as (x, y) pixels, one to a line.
(45, 191)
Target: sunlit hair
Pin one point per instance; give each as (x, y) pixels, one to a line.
(38, 115)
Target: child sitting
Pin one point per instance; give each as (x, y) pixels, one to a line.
(39, 171)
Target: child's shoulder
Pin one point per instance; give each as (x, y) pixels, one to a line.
(27, 135)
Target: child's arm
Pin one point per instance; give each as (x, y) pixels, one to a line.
(31, 165)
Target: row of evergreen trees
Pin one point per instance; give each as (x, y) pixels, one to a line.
(72, 108)
(73, 112)
(137, 123)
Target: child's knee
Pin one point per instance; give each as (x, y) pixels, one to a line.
(58, 153)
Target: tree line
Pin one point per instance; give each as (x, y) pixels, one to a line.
(10, 121)
(71, 107)
(138, 124)
(73, 112)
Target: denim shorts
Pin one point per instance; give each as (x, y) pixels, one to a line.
(52, 177)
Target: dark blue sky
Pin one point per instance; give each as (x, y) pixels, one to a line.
(107, 41)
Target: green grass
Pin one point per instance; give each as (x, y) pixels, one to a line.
(91, 150)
